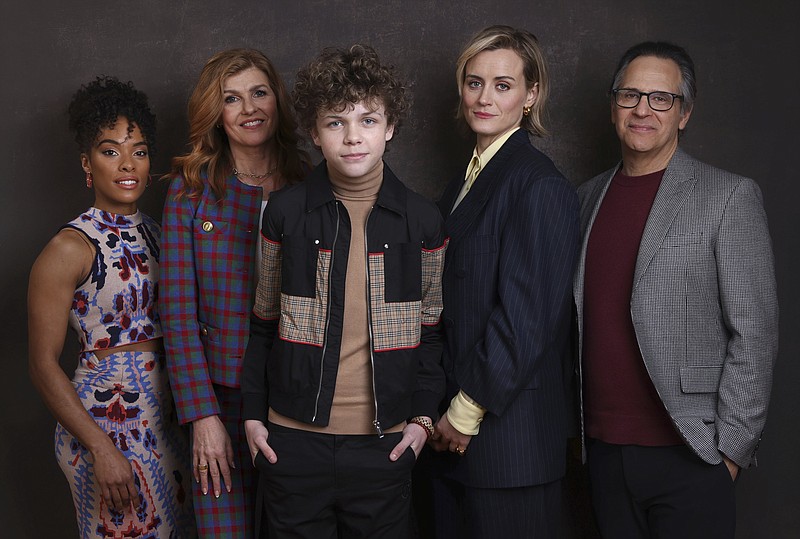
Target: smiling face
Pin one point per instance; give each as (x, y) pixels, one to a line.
(353, 139)
(120, 166)
(494, 93)
(250, 112)
(649, 138)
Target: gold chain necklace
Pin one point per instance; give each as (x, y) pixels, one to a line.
(262, 177)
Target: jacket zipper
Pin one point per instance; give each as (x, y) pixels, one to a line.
(327, 315)
(376, 423)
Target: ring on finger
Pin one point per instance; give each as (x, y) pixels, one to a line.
(202, 467)
(460, 451)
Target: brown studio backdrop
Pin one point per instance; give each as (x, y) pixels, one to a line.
(744, 121)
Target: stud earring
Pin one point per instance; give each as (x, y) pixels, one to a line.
(526, 111)
(88, 180)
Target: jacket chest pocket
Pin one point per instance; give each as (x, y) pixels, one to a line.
(299, 266)
(475, 258)
(684, 240)
(221, 246)
(207, 229)
(402, 272)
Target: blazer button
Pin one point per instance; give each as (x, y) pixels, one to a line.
(208, 226)
(204, 331)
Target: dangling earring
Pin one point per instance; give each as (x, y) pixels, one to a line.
(526, 111)
(149, 180)
(88, 180)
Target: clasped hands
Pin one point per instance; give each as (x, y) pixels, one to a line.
(447, 438)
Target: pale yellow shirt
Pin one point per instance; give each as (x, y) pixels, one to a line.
(479, 162)
(464, 413)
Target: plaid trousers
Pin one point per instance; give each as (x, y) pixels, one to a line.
(231, 516)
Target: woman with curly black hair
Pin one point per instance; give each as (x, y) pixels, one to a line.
(117, 438)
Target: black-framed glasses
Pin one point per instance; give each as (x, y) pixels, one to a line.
(659, 101)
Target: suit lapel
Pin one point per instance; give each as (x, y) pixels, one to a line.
(458, 222)
(450, 194)
(676, 186)
(591, 204)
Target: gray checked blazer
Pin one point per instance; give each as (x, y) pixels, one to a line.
(703, 304)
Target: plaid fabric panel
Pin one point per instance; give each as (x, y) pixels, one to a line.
(206, 292)
(395, 325)
(302, 318)
(268, 293)
(432, 268)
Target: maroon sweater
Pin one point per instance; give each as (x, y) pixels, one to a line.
(621, 404)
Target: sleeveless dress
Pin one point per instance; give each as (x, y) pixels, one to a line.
(127, 392)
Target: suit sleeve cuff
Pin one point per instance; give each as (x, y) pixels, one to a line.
(194, 401)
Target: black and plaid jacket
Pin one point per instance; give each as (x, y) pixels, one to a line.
(300, 300)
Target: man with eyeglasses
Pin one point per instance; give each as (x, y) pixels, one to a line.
(677, 316)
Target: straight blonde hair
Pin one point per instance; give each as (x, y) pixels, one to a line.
(526, 45)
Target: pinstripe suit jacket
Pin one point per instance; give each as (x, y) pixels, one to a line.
(506, 291)
(703, 304)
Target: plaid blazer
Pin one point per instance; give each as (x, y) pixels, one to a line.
(208, 252)
(704, 304)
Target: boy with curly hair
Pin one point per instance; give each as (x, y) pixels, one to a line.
(342, 375)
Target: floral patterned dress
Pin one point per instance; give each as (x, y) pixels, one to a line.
(127, 392)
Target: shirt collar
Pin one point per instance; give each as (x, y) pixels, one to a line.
(491, 150)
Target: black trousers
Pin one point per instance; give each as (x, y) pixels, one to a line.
(659, 493)
(446, 509)
(327, 486)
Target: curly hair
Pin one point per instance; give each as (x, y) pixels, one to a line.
(535, 70)
(339, 77)
(209, 159)
(99, 104)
